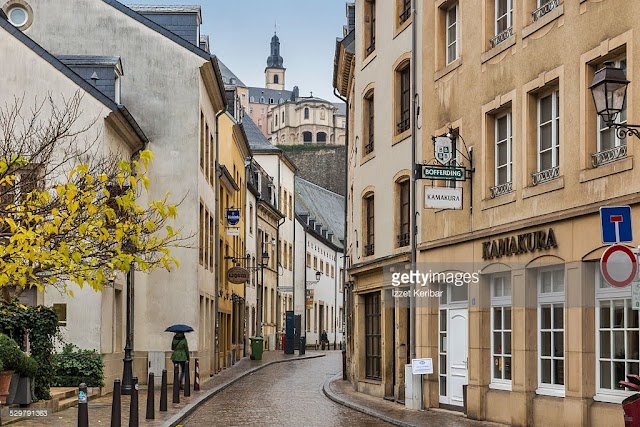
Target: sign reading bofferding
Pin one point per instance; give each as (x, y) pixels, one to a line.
(520, 244)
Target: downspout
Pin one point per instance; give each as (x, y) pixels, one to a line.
(278, 303)
(303, 342)
(345, 233)
(216, 233)
(293, 260)
(412, 222)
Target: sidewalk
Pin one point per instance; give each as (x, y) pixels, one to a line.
(100, 409)
(343, 393)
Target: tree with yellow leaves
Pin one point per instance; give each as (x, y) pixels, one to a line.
(69, 214)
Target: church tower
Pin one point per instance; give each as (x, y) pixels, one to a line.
(274, 73)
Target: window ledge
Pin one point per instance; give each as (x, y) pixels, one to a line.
(400, 28)
(368, 59)
(500, 386)
(545, 187)
(367, 157)
(511, 41)
(544, 21)
(371, 381)
(612, 168)
(401, 137)
(553, 392)
(498, 201)
(610, 398)
(447, 69)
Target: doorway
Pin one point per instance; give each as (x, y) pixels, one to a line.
(453, 346)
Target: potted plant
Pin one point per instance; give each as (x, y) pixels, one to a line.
(26, 384)
(11, 357)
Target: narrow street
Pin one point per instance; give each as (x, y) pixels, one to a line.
(284, 394)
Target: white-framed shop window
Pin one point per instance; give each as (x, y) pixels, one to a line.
(551, 344)
(617, 340)
(501, 357)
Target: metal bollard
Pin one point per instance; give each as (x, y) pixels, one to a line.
(151, 398)
(133, 408)
(187, 380)
(116, 405)
(83, 406)
(163, 392)
(196, 376)
(176, 383)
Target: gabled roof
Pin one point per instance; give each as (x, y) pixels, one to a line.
(256, 139)
(341, 107)
(227, 75)
(167, 8)
(79, 81)
(276, 94)
(322, 205)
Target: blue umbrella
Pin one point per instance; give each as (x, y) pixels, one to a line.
(179, 328)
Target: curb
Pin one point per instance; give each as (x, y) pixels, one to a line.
(175, 420)
(326, 389)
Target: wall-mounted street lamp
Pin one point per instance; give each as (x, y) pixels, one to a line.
(313, 282)
(609, 90)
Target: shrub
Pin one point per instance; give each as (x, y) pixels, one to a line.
(28, 367)
(74, 366)
(10, 353)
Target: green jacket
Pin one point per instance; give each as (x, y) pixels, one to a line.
(180, 348)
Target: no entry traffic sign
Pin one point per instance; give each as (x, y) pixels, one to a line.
(619, 265)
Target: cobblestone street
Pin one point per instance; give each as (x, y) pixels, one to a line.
(284, 394)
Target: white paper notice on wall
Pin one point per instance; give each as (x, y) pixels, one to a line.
(635, 295)
(421, 366)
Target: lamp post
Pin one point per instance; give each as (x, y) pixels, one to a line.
(609, 91)
(263, 263)
(127, 369)
(303, 341)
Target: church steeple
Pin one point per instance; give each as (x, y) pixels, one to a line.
(274, 73)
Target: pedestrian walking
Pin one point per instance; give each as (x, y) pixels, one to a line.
(180, 348)
(324, 339)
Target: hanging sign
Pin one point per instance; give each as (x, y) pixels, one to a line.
(441, 172)
(443, 149)
(233, 216)
(238, 275)
(442, 198)
(231, 231)
(309, 299)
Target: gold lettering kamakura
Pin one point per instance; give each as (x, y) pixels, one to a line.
(520, 244)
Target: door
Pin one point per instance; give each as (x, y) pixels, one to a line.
(457, 355)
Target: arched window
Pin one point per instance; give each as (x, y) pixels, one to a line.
(252, 99)
(262, 100)
(276, 117)
(281, 101)
(306, 113)
(271, 101)
(276, 79)
(321, 137)
(307, 137)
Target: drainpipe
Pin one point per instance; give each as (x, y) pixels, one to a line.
(278, 303)
(216, 233)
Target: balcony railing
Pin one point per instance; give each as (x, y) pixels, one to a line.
(403, 125)
(406, 13)
(501, 189)
(371, 47)
(544, 9)
(545, 175)
(403, 239)
(368, 250)
(607, 156)
(368, 148)
(499, 38)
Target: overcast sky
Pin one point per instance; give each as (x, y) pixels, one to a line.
(241, 30)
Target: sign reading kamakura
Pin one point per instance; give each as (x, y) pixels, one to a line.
(520, 244)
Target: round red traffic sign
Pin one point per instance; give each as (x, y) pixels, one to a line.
(619, 265)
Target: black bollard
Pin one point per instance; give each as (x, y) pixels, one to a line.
(116, 405)
(83, 406)
(151, 398)
(187, 380)
(176, 383)
(163, 392)
(133, 408)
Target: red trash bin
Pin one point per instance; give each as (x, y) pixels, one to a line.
(631, 406)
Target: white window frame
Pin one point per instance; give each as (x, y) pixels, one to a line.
(555, 131)
(617, 141)
(508, 15)
(551, 298)
(449, 25)
(508, 141)
(501, 301)
(608, 293)
(18, 24)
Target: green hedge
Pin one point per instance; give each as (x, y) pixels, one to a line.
(74, 366)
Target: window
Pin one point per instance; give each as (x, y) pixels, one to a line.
(544, 7)
(452, 32)
(403, 213)
(18, 16)
(617, 333)
(252, 99)
(315, 263)
(501, 331)
(370, 26)
(290, 207)
(282, 119)
(504, 15)
(551, 331)
(315, 317)
(369, 247)
(373, 342)
(307, 137)
(201, 232)
(306, 113)
(607, 138)
(322, 115)
(251, 218)
(308, 259)
(548, 137)
(276, 79)
(369, 123)
(290, 257)
(275, 117)
(503, 150)
(262, 102)
(321, 137)
(405, 12)
(321, 266)
(404, 100)
(61, 313)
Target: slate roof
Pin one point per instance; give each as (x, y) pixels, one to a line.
(257, 92)
(322, 205)
(341, 107)
(90, 60)
(256, 139)
(167, 8)
(227, 75)
(69, 73)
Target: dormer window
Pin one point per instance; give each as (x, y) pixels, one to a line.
(118, 89)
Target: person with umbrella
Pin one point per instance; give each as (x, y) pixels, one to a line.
(180, 348)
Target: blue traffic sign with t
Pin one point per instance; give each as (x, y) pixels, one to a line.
(616, 224)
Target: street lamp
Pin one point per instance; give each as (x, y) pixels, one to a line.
(127, 369)
(609, 90)
(263, 264)
(303, 339)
